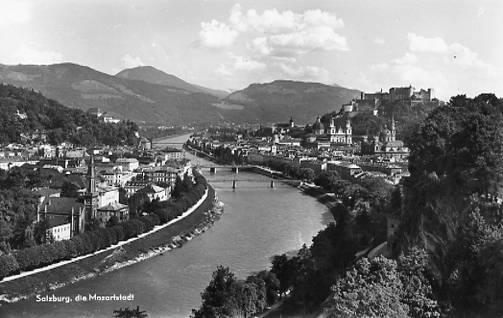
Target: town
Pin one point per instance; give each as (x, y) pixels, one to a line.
(327, 144)
(104, 184)
(99, 185)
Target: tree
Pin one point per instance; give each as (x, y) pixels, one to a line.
(284, 269)
(371, 289)
(113, 221)
(69, 189)
(130, 313)
(417, 291)
(216, 295)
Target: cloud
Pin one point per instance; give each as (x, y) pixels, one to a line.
(457, 53)
(274, 43)
(215, 34)
(15, 12)
(278, 33)
(419, 43)
(462, 55)
(311, 73)
(240, 64)
(408, 58)
(379, 41)
(129, 61)
(446, 67)
(26, 54)
(274, 21)
(481, 11)
(300, 42)
(245, 64)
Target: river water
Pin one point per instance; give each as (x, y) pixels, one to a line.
(258, 222)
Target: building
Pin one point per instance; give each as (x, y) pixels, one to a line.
(385, 145)
(408, 94)
(91, 195)
(132, 187)
(346, 170)
(60, 211)
(173, 154)
(128, 164)
(283, 128)
(163, 174)
(58, 229)
(340, 135)
(331, 135)
(154, 192)
(104, 213)
(318, 127)
(144, 144)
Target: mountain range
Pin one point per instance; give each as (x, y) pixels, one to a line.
(148, 95)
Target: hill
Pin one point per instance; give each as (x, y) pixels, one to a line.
(26, 115)
(278, 100)
(82, 87)
(151, 96)
(406, 117)
(152, 75)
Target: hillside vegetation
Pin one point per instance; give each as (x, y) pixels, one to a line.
(452, 202)
(24, 112)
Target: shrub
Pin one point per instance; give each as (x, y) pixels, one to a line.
(8, 265)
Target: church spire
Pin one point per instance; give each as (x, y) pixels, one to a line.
(91, 197)
(393, 128)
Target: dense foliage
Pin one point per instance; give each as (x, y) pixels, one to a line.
(99, 238)
(226, 296)
(452, 201)
(383, 287)
(24, 112)
(18, 203)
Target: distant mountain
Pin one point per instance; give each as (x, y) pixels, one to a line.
(83, 87)
(152, 75)
(278, 100)
(149, 95)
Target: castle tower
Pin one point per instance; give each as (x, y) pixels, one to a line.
(91, 196)
(292, 123)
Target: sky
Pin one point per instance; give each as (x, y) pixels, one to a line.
(452, 46)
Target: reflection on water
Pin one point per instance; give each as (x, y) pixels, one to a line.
(258, 223)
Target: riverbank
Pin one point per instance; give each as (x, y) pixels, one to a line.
(201, 216)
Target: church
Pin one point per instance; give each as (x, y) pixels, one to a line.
(337, 135)
(385, 144)
(102, 202)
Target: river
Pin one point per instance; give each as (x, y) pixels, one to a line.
(258, 222)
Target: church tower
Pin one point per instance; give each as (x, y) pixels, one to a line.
(393, 128)
(349, 132)
(91, 196)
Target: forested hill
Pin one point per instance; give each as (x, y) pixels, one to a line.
(24, 112)
(407, 117)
